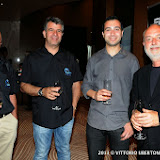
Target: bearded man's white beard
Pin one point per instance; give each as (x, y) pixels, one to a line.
(153, 57)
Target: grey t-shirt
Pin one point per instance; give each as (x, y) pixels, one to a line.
(120, 69)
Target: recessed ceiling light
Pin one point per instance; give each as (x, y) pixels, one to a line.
(1, 4)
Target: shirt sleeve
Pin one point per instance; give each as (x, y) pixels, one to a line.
(26, 71)
(88, 80)
(14, 86)
(134, 94)
(76, 76)
(135, 67)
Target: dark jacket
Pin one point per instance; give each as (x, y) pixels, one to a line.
(141, 90)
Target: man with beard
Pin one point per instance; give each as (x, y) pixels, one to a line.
(52, 77)
(109, 121)
(146, 87)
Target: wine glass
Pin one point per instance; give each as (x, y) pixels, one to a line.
(138, 105)
(57, 84)
(107, 85)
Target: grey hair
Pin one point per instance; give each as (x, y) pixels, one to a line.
(55, 20)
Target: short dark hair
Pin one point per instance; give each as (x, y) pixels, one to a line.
(3, 52)
(55, 20)
(112, 18)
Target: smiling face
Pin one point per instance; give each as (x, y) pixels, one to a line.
(53, 34)
(151, 42)
(112, 32)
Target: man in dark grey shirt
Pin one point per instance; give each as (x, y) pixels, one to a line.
(109, 121)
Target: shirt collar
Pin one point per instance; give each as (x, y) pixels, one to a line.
(46, 51)
(120, 54)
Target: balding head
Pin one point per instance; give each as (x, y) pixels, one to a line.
(151, 42)
(0, 39)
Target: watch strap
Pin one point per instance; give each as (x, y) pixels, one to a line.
(40, 93)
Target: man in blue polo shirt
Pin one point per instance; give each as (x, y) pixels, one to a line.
(52, 77)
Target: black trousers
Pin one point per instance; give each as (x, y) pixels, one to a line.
(96, 141)
(148, 150)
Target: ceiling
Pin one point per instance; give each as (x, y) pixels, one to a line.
(14, 10)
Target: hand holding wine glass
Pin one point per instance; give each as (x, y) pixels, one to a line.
(107, 86)
(139, 106)
(57, 84)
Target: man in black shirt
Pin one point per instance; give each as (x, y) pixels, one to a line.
(146, 87)
(8, 108)
(52, 77)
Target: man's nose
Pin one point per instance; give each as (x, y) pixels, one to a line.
(112, 32)
(55, 32)
(154, 41)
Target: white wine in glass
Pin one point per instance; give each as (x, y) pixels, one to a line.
(108, 86)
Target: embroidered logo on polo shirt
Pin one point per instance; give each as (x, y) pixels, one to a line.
(56, 108)
(67, 72)
(7, 84)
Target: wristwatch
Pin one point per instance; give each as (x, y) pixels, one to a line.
(40, 93)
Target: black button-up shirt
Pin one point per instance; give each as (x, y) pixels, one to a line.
(43, 69)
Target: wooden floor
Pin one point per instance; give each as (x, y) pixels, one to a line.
(24, 147)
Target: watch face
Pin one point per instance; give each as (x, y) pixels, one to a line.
(40, 93)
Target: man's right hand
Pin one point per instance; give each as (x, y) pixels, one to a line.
(51, 92)
(134, 120)
(102, 95)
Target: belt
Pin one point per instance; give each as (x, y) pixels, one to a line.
(3, 115)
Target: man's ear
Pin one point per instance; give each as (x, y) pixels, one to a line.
(103, 34)
(143, 44)
(122, 33)
(44, 33)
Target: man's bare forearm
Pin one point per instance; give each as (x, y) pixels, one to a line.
(29, 89)
(91, 93)
(13, 100)
(76, 93)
